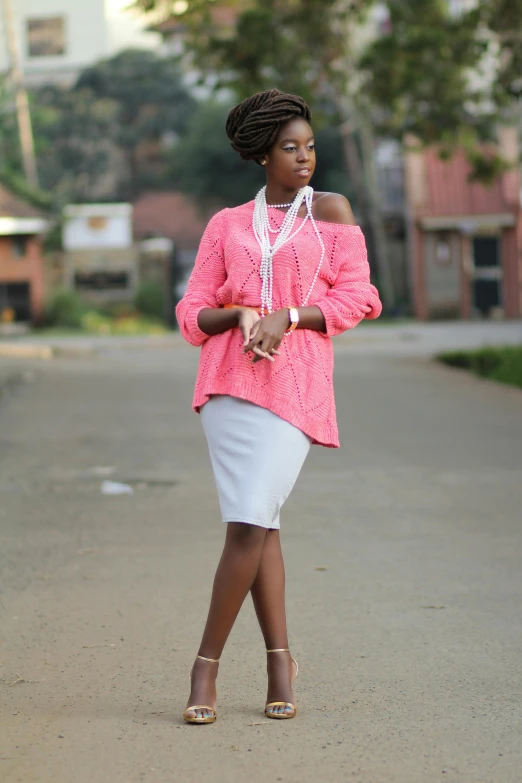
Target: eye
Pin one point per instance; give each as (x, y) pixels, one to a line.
(311, 146)
(289, 149)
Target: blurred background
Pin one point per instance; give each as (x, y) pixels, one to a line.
(403, 548)
(113, 153)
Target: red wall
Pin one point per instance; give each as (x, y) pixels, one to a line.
(24, 269)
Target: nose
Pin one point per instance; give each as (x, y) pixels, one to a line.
(303, 155)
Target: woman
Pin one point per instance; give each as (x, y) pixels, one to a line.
(273, 281)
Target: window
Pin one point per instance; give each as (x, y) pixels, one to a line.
(101, 281)
(18, 246)
(46, 37)
(15, 302)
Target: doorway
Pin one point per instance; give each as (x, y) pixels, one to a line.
(16, 297)
(487, 276)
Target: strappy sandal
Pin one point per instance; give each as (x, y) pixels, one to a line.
(285, 704)
(195, 707)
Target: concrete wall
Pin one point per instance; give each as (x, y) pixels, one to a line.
(100, 264)
(85, 37)
(98, 230)
(93, 29)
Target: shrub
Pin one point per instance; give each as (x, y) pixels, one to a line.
(96, 323)
(66, 309)
(150, 300)
(499, 364)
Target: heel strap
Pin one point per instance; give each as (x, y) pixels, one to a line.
(279, 649)
(212, 660)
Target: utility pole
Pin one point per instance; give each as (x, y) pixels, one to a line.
(22, 104)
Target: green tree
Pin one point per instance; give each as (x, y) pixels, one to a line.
(90, 138)
(301, 45)
(150, 101)
(76, 145)
(421, 76)
(446, 79)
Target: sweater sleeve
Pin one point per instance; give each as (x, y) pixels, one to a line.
(352, 297)
(207, 276)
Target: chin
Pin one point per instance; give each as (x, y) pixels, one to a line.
(301, 182)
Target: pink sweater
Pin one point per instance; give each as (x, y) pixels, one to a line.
(298, 386)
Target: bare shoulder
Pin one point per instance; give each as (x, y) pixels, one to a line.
(333, 208)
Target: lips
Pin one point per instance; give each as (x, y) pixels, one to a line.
(303, 172)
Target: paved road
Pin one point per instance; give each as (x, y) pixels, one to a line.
(403, 554)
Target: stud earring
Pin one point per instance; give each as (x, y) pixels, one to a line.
(263, 162)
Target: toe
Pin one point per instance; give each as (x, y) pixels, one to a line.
(288, 709)
(190, 713)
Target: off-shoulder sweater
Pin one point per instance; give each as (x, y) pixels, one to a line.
(298, 386)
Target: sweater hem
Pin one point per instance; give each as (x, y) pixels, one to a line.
(320, 435)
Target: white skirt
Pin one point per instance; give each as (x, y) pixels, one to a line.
(256, 457)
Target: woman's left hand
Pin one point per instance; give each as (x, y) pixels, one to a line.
(266, 335)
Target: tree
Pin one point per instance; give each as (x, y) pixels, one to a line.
(302, 45)
(150, 101)
(103, 138)
(76, 144)
(426, 74)
(434, 75)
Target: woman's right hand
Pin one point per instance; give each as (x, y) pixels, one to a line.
(246, 322)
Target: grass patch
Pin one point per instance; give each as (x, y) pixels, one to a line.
(401, 320)
(502, 364)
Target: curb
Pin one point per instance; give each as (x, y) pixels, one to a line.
(34, 351)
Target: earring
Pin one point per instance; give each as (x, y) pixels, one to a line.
(263, 162)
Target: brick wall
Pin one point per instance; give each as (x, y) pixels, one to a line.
(26, 268)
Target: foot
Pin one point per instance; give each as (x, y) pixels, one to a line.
(203, 688)
(281, 671)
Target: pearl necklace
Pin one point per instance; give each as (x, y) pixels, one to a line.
(262, 229)
(278, 206)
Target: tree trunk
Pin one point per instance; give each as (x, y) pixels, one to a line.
(375, 217)
(364, 179)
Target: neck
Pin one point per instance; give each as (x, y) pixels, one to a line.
(277, 194)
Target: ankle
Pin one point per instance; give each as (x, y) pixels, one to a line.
(205, 668)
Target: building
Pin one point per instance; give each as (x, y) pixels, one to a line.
(161, 217)
(465, 238)
(59, 38)
(100, 259)
(173, 216)
(21, 262)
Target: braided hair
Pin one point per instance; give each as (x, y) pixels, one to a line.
(252, 126)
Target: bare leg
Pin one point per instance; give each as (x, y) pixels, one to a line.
(268, 595)
(234, 577)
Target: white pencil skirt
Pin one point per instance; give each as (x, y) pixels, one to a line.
(256, 458)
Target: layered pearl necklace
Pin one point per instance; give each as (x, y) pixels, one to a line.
(286, 232)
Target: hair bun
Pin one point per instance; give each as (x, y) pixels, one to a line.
(252, 126)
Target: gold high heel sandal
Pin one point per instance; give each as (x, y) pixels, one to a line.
(285, 704)
(196, 707)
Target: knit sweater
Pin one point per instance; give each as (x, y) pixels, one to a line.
(298, 386)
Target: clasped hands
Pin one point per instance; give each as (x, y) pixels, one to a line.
(262, 336)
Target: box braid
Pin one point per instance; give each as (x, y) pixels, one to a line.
(252, 126)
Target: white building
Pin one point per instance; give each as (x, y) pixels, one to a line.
(58, 38)
(97, 226)
(100, 258)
